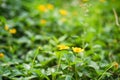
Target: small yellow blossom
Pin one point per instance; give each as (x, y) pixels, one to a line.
(50, 6)
(102, 1)
(6, 27)
(1, 55)
(12, 31)
(116, 65)
(62, 47)
(43, 21)
(42, 8)
(63, 12)
(77, 50)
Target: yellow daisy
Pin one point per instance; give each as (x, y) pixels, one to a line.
(62, 47)
(77, 50)
(13, 31)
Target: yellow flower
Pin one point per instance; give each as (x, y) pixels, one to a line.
(43, 21)
(77, 50)
(50, 6)
(1, 55)
(102, 1)
(12, 31)
(116, 65)
(63, 12)
(62, 47)
(42, 8)
(6, 27)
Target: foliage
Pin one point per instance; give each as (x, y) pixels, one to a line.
(59, 40)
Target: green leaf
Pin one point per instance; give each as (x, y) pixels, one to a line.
(64, 66)
(68, 77)
(94, 65)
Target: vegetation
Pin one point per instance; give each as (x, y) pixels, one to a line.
(59, 40)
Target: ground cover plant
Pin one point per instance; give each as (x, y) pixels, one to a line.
(59, 40)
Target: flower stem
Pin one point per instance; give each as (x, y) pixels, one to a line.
(75, 72)
(59, 61)
(36, 53)
(105, 71)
